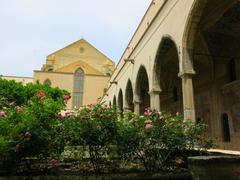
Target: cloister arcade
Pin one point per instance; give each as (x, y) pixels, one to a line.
(184, 57)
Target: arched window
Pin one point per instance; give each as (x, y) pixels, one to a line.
(47, 82)
(120, 102)
(78, 88)
(114, 102)
(225, 128)
(232, 70)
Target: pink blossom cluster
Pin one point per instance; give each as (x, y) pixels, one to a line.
(147, 112)
(148, 124)
(20, 108)
(106, 106)
(18, 146)
(2, 114)
(41, 95)
(26, 134)
(66, 98)
(53, 163)
(62, 115)
(90, 105)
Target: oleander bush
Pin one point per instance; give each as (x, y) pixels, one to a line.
(160, 141)
(27, 119)
(33, 126)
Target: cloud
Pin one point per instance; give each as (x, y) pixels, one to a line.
(32, 29)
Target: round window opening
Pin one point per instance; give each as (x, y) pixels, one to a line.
(81, 49)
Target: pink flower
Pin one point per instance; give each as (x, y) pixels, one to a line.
(53, 163)
(41, 95)
(158, 113)
(67, 114)
(66, 98)
(60, 117)
(148, 109)
(90, 105)
(18, 147)
(2, 114)
(105, 106)
(98, 127)
(148, 126)
(20, 108)
(27, 134)
(145, 113)
(177, 113)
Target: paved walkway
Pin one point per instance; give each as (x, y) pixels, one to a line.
(227, 152)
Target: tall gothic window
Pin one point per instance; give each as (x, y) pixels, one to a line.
(78, 88)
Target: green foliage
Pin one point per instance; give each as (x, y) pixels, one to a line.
(33, 125)
(97, 131)
(27, 121)
(15, 93)
(12, 92)
(160, 140)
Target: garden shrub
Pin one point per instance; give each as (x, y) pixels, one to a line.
(27, 121)
(157, 140)
(16, 94)
(33, 125)
(95, 129)
(160, 140)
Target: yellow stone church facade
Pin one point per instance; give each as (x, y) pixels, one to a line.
(79, 68)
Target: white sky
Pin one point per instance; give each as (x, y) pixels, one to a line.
(32, 29)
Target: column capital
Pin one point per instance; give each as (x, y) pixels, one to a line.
(155, 91)
(186, 73)
(126, 108)
(136, 101)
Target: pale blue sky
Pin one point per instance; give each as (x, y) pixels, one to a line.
(32, 29)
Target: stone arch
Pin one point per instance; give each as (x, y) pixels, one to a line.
(129, 96)
(142, 90)
(120, 101)
(78, 88)
(163, 43)
(192, 22)
(165, 76)
(211, 44)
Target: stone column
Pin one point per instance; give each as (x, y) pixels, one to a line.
(155, 99)
(127, 109)
(137, 103)
(188, 95)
